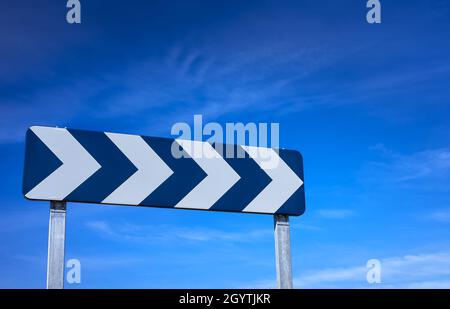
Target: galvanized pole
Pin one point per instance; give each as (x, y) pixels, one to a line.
(283, 252)
(56, 238)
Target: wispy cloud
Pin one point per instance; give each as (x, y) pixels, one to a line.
(306, 227)
(440, 216)
(207, 81)
(45, 107)
(409, 271)
(212, 79)
(152, 233)
(335, 213)
(224, 70)
(95, 262)
(428, 168)
(436, 284)
(174, 88)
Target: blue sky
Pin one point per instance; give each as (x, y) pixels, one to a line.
(367, 105)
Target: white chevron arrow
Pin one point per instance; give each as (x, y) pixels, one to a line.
(151, 173)
(284, 181)
(220, 176)
(78, 165)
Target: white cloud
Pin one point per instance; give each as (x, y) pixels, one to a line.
(335, 213)
(152, 233)
(102, 227)
(306, 227)
(427, 169)
(329, 276)
(96, 262)
(172, 87)
(409, 271)
(437, 284)
(45, 107)
(440, 216)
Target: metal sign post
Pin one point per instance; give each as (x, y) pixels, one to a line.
(283, 252)
(56, 238)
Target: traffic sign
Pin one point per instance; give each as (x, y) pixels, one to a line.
(71, 165)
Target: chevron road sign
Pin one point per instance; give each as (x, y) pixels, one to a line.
(108, 168)
(66, 165)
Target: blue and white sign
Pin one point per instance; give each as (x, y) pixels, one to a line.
(109, 168)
